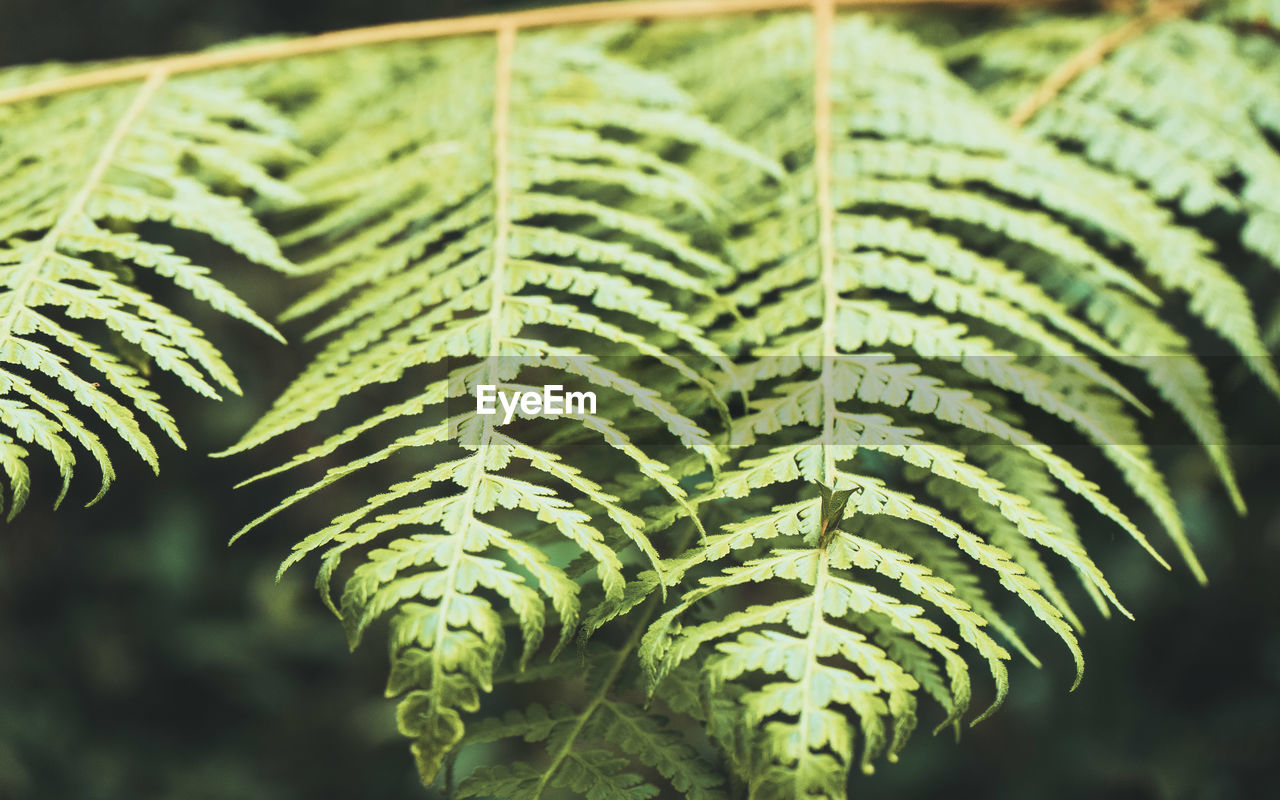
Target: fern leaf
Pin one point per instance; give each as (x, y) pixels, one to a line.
(843, 231)
(1183, 129)
(543, 250)
(179, 152)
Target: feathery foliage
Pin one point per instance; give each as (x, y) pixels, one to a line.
(847, 292)
(498, 258)
(81, 173)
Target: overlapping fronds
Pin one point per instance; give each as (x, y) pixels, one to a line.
(1183, 111)
(844, 292)
(805, 250)
(603, 747)
(1187, 111)
(916, 222)
(79, 333)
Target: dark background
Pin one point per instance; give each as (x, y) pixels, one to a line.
(142, 658)
(39, 30)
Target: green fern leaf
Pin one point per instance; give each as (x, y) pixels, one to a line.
(842, 233)
(497, 257)
(176, 151)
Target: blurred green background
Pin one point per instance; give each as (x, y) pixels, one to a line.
(142, 658)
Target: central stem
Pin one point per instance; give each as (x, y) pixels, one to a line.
(824, 14)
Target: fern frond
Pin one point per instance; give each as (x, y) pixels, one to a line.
(900, 183)
(554, 250)
(179, 152)
(1183, 130)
